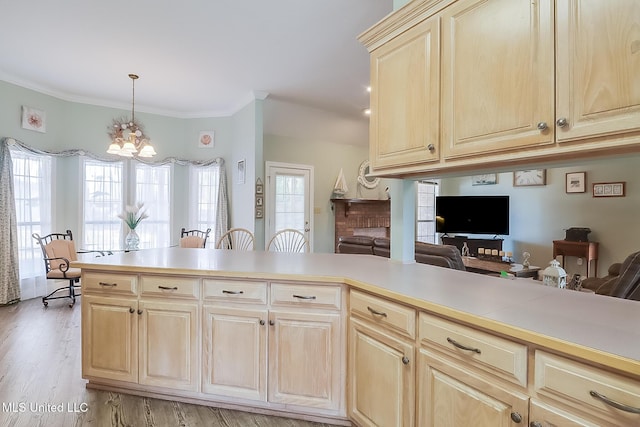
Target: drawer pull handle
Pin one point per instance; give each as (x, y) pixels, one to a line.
(463, 347)
(224, 291)
(107, 284)
(167, 288)
(535, 424)
(310, 297)
(613, 403)
(376, 312)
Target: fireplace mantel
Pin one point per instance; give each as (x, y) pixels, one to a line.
(348, 202)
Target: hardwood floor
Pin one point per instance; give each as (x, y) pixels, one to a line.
(41, 383)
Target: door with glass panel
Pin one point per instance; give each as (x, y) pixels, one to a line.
(289, 195)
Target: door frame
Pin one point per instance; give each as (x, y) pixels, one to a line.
(269, 202)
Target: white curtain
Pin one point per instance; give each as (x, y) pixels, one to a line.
(9, 270)
(209, 203)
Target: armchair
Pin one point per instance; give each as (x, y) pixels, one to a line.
(622, 280)
(58, 251)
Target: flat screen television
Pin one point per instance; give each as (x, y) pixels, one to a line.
(472, 214)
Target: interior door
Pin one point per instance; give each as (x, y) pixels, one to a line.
(288, 198)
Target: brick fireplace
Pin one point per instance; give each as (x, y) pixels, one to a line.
(361, 217)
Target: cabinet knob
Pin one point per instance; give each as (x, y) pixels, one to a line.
(516, 417)
(139, 311)
(405, 360)
(562, 122)
(542, 125)
(271, 322)
(431, 147)
(262, 322)
(535, 424)
(131, 310)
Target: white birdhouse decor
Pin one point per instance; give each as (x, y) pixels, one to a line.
(554, 275)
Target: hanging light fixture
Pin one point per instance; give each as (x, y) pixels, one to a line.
(136, 143)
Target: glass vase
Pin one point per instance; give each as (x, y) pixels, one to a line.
(132, 241)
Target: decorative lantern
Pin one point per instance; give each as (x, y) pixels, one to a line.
(554, 275)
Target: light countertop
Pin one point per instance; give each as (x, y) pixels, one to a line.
(601, 329)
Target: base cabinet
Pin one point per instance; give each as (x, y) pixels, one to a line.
(381, 379)
(543, 415)
(450, 396)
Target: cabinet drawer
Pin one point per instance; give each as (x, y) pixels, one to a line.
(578, 384)
(319, 296)
(395, 317)
(490, 353)
(170, 286)
(242, 291)
(119, 284)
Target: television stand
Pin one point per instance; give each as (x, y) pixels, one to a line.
(472, 244)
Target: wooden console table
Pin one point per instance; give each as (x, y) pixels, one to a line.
(486, 266)
(587, 250)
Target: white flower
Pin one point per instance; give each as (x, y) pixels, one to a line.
(132, 215)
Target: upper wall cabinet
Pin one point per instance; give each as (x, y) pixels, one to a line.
(497, 76)
(519, 82)
(405, 98)
(597, 69)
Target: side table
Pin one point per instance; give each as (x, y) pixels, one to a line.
(586, 250)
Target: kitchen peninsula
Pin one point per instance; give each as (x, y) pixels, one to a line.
(310, 336)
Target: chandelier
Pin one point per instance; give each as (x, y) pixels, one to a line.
(137, 143)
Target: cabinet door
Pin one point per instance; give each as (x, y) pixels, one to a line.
(381, 378)
(497, 76)
(235, 352)
(169, 345)
(110, 338)
(542, 415)
(451, 396)
(598, 68)
(305, 355)
(405, 101)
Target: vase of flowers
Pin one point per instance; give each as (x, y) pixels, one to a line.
(132, 215)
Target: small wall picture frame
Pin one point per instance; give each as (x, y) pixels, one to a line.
(259, 213)
(206, 139)
(485, 179)
(259, 201)
(241, 172)
(609, 189)
(34, 119)
(576, 182)
(259, 186)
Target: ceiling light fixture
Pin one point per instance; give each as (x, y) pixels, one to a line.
(137, 143)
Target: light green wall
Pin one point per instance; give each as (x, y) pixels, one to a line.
(72, 125)
(327, 158)
(540, 215)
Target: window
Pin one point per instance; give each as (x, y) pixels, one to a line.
(426, 211)
(32, 178)
(153, 189)
(205, 187)
(103, 201)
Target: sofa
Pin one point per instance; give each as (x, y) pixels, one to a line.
(622, 280)
(447, 256)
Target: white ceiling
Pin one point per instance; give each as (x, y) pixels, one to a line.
(195, 58)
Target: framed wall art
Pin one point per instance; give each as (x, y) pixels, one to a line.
(608, 189)
(34, 119)
(206, 139)
(530, 177)
(241, 171)
(486, 179)
(576, 182)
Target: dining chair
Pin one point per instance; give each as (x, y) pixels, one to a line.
(194, 238)
(237, 239)
(288, 240)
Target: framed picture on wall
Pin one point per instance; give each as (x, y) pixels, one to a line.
(241, 171)
(576, 182)
(486, 179)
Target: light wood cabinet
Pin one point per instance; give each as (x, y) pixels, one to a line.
(405, 97)
(235, 352)
(521, 82)
(381, 362)
(148, 341)
(110, 338)
(597, 69)
(497, 76)
(168, 346)
(543, 415)
(305, 354)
